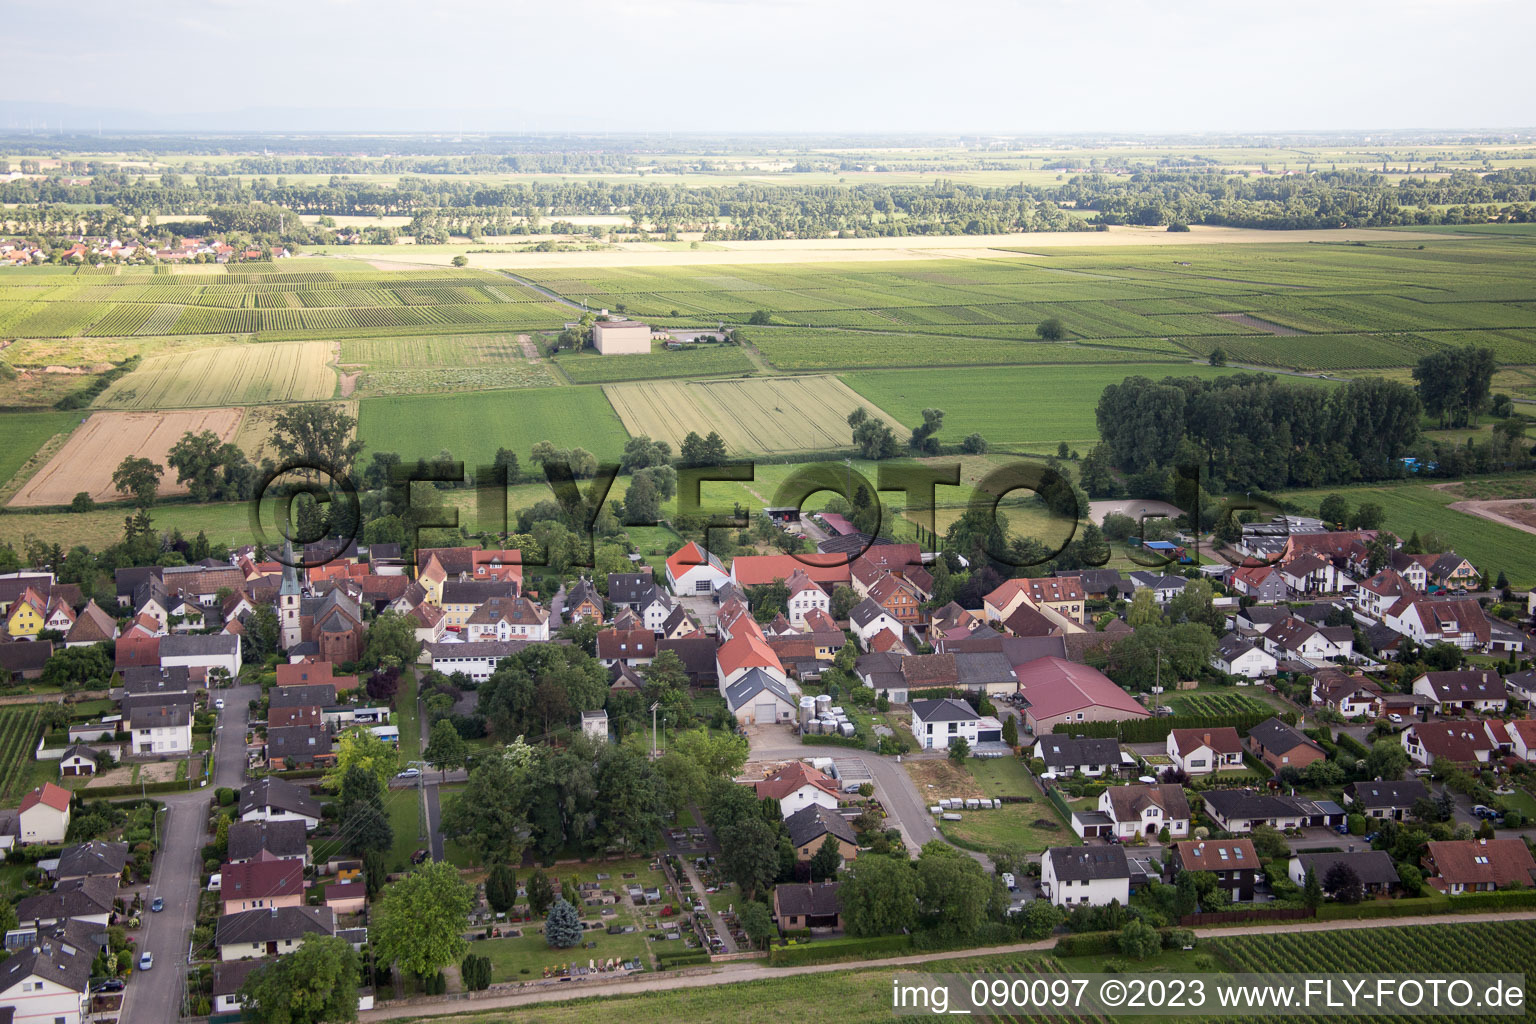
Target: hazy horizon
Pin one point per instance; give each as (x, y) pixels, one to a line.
(774, 66)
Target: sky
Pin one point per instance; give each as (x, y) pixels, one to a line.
(951, 66)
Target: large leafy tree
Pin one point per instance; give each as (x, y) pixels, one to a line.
(357, 747)
(315, 984)
(952, 891)
(628, 801)
(539, 688)
(446, 749)
(490, 814)
(501, 887)
(317, 435)
(749, 854)
(418, 921)
(391, 641)
(878, 896)
(140, 478)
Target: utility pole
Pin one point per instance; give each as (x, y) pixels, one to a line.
(654, 706)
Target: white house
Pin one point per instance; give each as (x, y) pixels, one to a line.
(758, 697)
(867, 618)
(159, 723)
(692, 570)
(272, 799)
(1476, 690)
(46, 984)
(1459, 622)
(797, 786)
(44, 815)
(1236, 656)
(270, 932)
(1461, 742)
(1067, 755)
(1146, 810)
(805, 596)
(1085, 875)
(206, 651)
(936, 722)
(654, 612)
(1202, 751)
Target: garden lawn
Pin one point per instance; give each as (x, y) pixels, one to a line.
(1032, 826)
(525, 957)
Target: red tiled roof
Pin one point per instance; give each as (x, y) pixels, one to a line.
(53, 796)
(1054, 687)
(791, 778)
(1222, 740)
(755, 570)
(1477, 861)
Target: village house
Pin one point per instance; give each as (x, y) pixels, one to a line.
(1478, 865)
(477, 660)
(868, 619)
(1469, 690)
(46, 984)
(272, 799)
(797, 785)
(1263, 583)
(805, 597)
(270, 932)
(806, 906)
(1298, 639)
(1237, 656)
(503, 619)
(1145, 810)
(1349, 695)
(758, 697)
(809, 827)
(159, 723)
(1280, 745)
(282, 839)
(261, 884)
(1234, 862)
(1067, 755)
(1240, 810)
(1384, 800)
(691, 571)
(201, 653)
(1459, 742)
(1085, 876)
(583, 603)
(1428, 622)
(43, 816)
(935, 723)
(95, 859)
(1374, 868)
(1202, 751)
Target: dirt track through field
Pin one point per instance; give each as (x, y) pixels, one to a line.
(87, 460)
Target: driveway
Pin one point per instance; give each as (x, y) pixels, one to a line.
(893, 786)
(154, 997)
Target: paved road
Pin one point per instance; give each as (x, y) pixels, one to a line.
(546, 292)
(750, 970)
(154, 997)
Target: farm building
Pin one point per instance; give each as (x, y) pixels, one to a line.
(621, 337)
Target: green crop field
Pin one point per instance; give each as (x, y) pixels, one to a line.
(227, 375)
(472, 426)
(432, 350)
(1014, 406)
(1215, 703)
(839, 349)
(457, 379)
(1420, 507)
(690, 361)
(25, 433)
(758, 415)
(19, 730)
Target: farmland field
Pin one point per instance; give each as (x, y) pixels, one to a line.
(25, 433)
(691, 361)
(432, 350)
(764, 415)
(93, 451)
(1215, 703)
(1010, 406)
(227, 375)
(472, 426)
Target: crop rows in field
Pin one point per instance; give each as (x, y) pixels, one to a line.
(432, 350)
(423, 380)
(817, 350)
(122, 318)
(1217, 703)
(689, 361)
(19, 732)
(759, 415)
(226, 375)
(58, 319)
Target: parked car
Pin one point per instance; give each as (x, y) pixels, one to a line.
(1421, 772)
(157, 906)
(146, 961)
(1395, 718)
(409, 773)
(110, 985)
(1009, 882)
(1342, 830)
(418, 856)
(219, 704)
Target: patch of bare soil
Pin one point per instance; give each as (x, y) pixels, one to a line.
(1519, 513)
(349, 383)
(938, 779)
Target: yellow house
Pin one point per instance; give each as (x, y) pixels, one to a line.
(27, 615)
(431, 580)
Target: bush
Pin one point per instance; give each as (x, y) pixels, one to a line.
(833, 950)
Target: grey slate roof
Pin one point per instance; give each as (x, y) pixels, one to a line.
(808, 824)
(752, 682)
(1274, 735)
(865, 612)
(198, 645)
(53, 961)
(944, 709)
(282, 839)
(1386, 794)
(1374, 867)
(278, 793)
(1087, 863)
(274, 924)
(303, 695)
(817, 899)
(97, 857)
(1065, 751)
